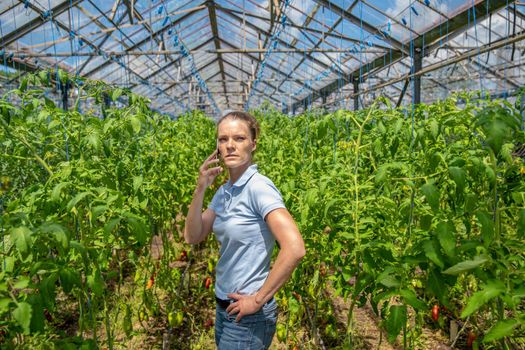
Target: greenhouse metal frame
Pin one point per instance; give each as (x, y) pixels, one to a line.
(217, 55)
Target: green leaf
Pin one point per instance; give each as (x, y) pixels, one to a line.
(49, 103)
(506, 152)
(57, 190)
(411, 299)
(137, 182)
(5, 304)
(471, 200)
(397, 318)
(69, 278)
(322, 129)
(37, 313)
(487, 227)
(436, 285)
(432, 195)
(434, 128)
(23, 85)
(96, 211)
(22, 283)
(22, 315)
(328, 206)
(73, 202)
(8, 264)
(386, 279)
(521, 223)
(381, 173)
(116, 94)
(47, 288)
(79, 247)
(503, 328)
(478, 299)
(491, 175)
(135, 124)
(496, 132)
(93, 140)
(425, 222)
(431, 252)
(59, 232)
(110, 225)
(139, 229)
(53, 124)
(445, 233)
(96, 283)
(44, 77)
(293, 306)
(458, 176)
(22, 238)
(62, 75)
(465, 266)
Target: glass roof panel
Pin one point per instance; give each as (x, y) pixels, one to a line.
(6, 5)
(209, 71)
(233, 31)
(47, 38)
(78, 19)
(105, 72)
(298, 11)
(418, 17)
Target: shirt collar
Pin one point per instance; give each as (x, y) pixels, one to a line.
(248, 173)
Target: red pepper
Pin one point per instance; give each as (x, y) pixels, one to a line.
(470, 339)
(183, 255)
(207, 284)
(435, 312)
(150, 282)
(208, 324)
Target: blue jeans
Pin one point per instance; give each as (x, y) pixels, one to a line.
(252, 332)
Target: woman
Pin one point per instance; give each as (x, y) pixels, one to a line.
(247, 215)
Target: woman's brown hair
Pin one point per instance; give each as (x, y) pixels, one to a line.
(249, 119)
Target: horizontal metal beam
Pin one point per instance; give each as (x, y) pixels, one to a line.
(24, 54)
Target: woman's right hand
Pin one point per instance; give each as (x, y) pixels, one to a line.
(206, 174)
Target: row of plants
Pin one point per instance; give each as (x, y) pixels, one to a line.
(83, 195)
(419, 214)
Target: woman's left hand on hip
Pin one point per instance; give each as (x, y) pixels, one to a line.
(243, 305)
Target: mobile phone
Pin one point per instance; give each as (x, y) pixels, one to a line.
(218, 151)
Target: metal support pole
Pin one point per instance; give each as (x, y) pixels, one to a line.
(402, 95)
(65, 89)
(418, 65)
(106, 102)
(522, 109)
(356, 94)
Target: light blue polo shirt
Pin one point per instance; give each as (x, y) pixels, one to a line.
(246, 241)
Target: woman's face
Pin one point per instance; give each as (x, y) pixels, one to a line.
(235, 143)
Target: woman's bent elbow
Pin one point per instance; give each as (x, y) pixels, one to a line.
(300, 252)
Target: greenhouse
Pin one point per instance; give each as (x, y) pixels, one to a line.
(363, 161)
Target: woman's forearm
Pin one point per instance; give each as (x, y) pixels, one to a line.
(286, 262)
(193, 227)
